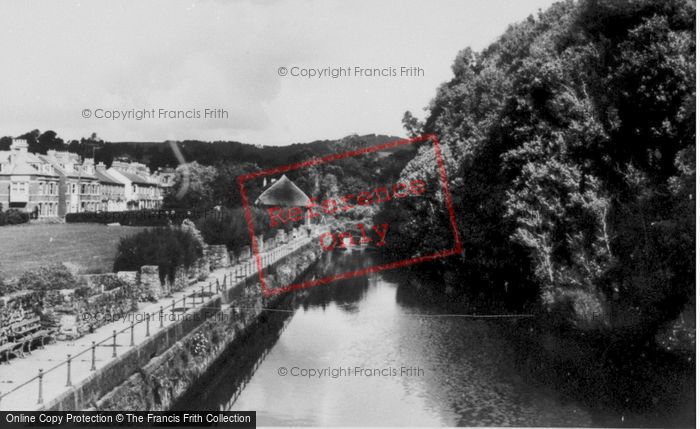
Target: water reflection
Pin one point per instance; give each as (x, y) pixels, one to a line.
(345, 294)
(472, 372)
(220, 386)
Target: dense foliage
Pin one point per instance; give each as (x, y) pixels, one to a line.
(165, 247)
(51, 277)
(153, 217)
(229, 227)
(570, 145)
(199, 185)
(161, 154)
(13, 217)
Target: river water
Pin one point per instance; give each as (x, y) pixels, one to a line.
(381, 359)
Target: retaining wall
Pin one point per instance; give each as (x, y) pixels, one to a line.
(154, 374)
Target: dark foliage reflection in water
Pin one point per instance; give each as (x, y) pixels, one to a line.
(472, 370)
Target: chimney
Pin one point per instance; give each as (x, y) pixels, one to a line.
(19, 145)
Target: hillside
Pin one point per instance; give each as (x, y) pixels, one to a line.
(160, 154)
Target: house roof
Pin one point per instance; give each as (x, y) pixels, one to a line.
(61, 171)
(135, 178)
(283, 193)
(22, 168)
(20, 164)
(105, 177)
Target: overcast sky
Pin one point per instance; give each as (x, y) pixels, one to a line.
(61, 57)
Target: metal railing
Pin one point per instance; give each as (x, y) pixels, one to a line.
(236, 273)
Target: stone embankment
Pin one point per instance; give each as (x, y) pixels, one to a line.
(157, 372)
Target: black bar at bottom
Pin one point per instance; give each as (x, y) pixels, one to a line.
(20, 419)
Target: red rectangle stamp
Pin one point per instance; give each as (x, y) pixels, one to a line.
(335, 220)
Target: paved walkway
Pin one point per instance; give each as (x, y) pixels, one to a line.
(52, 358)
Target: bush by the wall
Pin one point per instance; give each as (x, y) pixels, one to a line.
(231, 229)
(159, 217)
(52, 277)
(13, 217)
(166, 247)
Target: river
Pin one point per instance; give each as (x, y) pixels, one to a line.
(381, 359)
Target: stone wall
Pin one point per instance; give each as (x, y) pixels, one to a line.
(130, 277)
(149, 283)
(98, 283)
(101, 382)
(135, 381)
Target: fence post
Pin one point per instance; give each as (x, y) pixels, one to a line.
(184, 303)
(68, 382)
(132, 334)
(161, 316)
(173, 304)
(114, 343)
(201, 294)
(193, 303)
(92, 367)
(41, 382)
(148, 325)
(217, 288)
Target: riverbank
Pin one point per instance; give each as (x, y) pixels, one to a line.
(157, 385)
(74, 374)
(469, 371)
(611, 368)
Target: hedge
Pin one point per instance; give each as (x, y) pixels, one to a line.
(159, 217)
(13, 217)
(166, 247)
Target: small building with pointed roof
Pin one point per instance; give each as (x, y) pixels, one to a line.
(283, 193)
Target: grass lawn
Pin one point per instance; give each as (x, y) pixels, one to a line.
(90, 248)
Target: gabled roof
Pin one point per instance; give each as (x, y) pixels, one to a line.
(105, 177)
(61, 171)
(283, 193)
(23, 169)
(20, 165)
(135, 178)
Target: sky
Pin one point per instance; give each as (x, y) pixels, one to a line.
(96, 66)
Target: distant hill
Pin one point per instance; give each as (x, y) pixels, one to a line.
(157, 155)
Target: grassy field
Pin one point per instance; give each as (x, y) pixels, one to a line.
(90, 248)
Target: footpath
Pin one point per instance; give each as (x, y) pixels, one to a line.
(28, 383)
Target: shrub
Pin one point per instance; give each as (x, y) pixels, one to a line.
(13, 217)
(130, 217)
(165, 247)
(52, 277)
(230, 228)
(7, 287)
